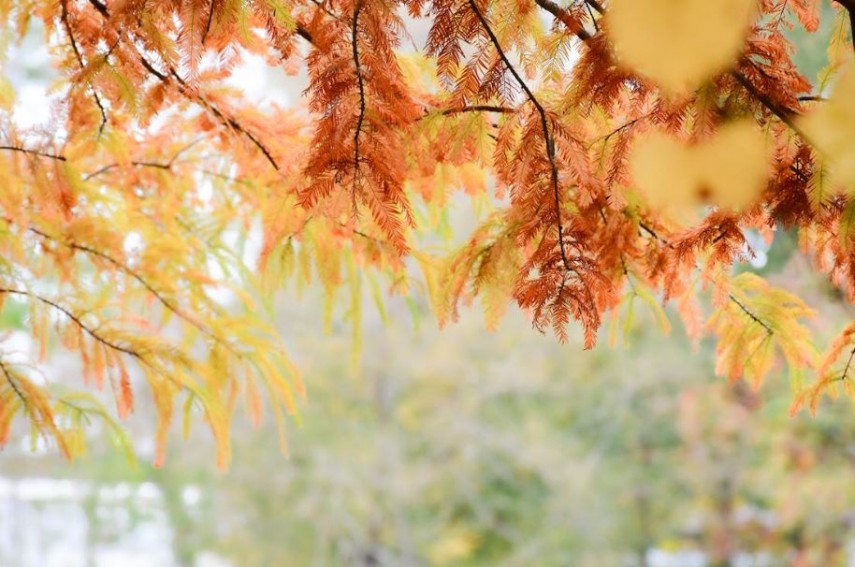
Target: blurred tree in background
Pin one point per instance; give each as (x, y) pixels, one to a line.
(464, 448)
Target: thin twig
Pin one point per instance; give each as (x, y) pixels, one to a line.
(210, 21)
(79, 57)
(77, 321)
(13, 385)
(205, 103)
(550, 144)
(845, 374)
(142, 281)
(478, 108)
(304, 33)
(596, 6)
(38, 153)
(359, 80)
(593, 18)
(783, 115)
(139, 163)
(101, 7)
(751, 314)
(565, 18)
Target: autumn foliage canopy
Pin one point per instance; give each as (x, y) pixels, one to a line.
(628, 146)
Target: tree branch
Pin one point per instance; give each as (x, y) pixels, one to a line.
(564, 17)
(845, 374)
(77, 321)
(34, 152)
(79, 57)
(101, 7)
(13, 385)
(304, 33)
(174, 308)
(478, 108)
(354, 42)
(209, 22)
(151, 69)
(108, 167)
(227, 120)
(202, 101)
(153, 164)
(751, 314)
(596, 6)
(547, 137)
(784, 115)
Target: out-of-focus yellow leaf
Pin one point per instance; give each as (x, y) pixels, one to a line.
(735, 164)
(679, 44)
(7, 95)
(664, 171)
(430, 269)
(728, 170)
(831, 128)
(453, 547)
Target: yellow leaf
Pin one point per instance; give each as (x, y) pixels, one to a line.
(7, 95)
(728, 170)
(831, 128)
(628, 321)
(735, 164)
(671, 189)
(431, 271)
(679, 44)
(655, 307)
(453, 547)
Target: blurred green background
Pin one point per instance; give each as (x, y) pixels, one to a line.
(462, 447)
